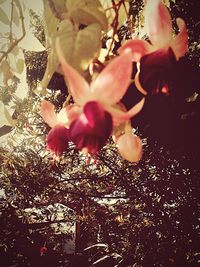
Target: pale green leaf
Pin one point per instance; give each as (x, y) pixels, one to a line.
(52, 65)
(66, 32)
(15, 51)
(79, 48)
(2, 1)
(50, 22)
(20, 65)
(6, 117)
(31, 43)
(9, 118)
(3, 17)
(87, 46)
(16, 18)
(87, 12)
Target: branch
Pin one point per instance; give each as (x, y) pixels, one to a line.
(14, 44)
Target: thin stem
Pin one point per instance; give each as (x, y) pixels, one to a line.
(14, 44)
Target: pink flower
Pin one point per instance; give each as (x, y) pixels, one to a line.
(97, 101)
(58, 137)
(158, 24)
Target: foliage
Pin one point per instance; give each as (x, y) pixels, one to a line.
(144, 214)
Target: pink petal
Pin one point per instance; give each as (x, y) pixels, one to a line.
(130, 147)
(48, 113)
(113, 81)
(73, 112)
(120, 116)
(158, 23)
(180, 43)
(78, 86)
(138, 48)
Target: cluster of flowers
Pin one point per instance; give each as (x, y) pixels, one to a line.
(90, 121)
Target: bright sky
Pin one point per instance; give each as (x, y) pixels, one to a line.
(28, 43)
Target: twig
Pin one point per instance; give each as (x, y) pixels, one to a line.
(14, 44)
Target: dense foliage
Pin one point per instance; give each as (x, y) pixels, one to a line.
(141, 214)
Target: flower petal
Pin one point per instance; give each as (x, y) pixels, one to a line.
(158, 23)
(180, 43)
(73, 112)
(130, 147)
(155, 71)
(78, 86)
(48, 113)
(92, 129)
(57, 139)
(120, 116)
(113, 81)
(138, 48)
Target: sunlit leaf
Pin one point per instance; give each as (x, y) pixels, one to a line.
(50, 22)
(6, 70)
(87, 12)
(31, 43)
(81, 47)
(16, 18)
(3, 17)
(6, 118)
(20, 65)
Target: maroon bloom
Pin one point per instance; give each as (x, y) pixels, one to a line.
(156, 70)
(92, 129)
(57, 139)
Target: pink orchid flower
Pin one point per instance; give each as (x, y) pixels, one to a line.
(58, 137)
(92, 128)
(158, 24)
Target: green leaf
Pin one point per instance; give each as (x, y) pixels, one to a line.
(6, 118)
(79, 48)
(20, 65)
(31, 43)
(3, 17)
(50, 22)
(16, 18)
(87, 12)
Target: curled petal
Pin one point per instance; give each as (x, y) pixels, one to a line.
(113, 81)
(130, 147)
(48, 113)
(158, 23)
(138, 48)
(62, 116)
(79, 88)
(120, 116)
(73, 112)
(180, 43)
(57, 139)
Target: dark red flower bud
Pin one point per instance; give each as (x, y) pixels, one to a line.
(57, 139)
(156, 70)
(43, 250)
